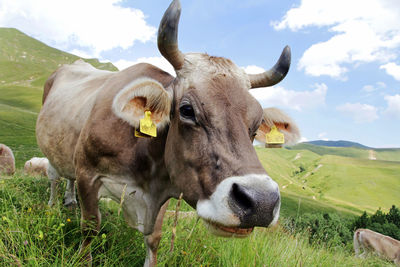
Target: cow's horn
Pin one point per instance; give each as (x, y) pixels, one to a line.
(275, 74)
(168, 35)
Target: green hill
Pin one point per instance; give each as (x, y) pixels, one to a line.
(25, 64)
(389, 154)
(351, 184)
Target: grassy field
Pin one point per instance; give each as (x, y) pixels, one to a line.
(347, 183)
(312, 179)
(32, 234)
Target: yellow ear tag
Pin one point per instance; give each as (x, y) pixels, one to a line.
(274, 137)
(147, 126)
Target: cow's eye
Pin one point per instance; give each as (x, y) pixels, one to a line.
(187, 111)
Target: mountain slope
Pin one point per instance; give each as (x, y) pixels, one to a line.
(25, 64)
(27, 61)
(340, 143)
(349, 183)
(352, 152)
(388, 154)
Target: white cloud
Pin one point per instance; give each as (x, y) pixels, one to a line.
(96, 25)
(392, 69)
(160, 62)
(322, 136)
(371, 88)
(360, 113)
(393, 109)
(363, 31)
(252, 69)
(290, 99)
(80, 53)
(303, 139)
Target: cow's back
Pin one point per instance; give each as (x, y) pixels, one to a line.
(69, 97)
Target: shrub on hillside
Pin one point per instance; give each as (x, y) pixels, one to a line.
(325, 228)
(387, 224)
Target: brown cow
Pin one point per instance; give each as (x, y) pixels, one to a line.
(7, 160)
(206, 122)
(370, 241)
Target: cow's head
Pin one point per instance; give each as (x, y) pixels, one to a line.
(213, 120)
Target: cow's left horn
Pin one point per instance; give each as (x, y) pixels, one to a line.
(275, 74)
(168, 35)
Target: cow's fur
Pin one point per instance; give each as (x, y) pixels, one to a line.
(36, 166)
(368, 241)
(7, 160)
(206, 121)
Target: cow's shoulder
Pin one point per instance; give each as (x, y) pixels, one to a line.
(109, 142)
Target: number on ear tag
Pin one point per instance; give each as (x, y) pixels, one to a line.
(147, 126)
(274, 137)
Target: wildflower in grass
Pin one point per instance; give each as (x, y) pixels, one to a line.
(184, 252)
(40, 236)
(103, 239)
(68, 220)
(25, 242)
(6, 219)
(30, 209)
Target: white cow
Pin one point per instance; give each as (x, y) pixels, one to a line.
(36, 166)
(370, 241)
(40, 166)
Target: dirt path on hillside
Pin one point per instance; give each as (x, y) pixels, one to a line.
(371, 155)
(298, 156)
(19, 109)
(314, 171)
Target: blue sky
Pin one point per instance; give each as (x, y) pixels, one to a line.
(344, 82)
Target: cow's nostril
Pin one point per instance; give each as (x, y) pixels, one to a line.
(241, 197)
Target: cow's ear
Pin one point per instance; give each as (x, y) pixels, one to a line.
(143, 95)
(285, 124)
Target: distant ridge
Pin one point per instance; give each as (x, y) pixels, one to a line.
(339, 143)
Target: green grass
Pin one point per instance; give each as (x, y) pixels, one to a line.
(346, 184)
(390, 154)
(32, 234)
(349, 184)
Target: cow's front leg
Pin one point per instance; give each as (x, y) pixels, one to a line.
(397, 259)
(153, 240)
(88, 187)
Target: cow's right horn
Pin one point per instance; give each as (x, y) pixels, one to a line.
(168, 35)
